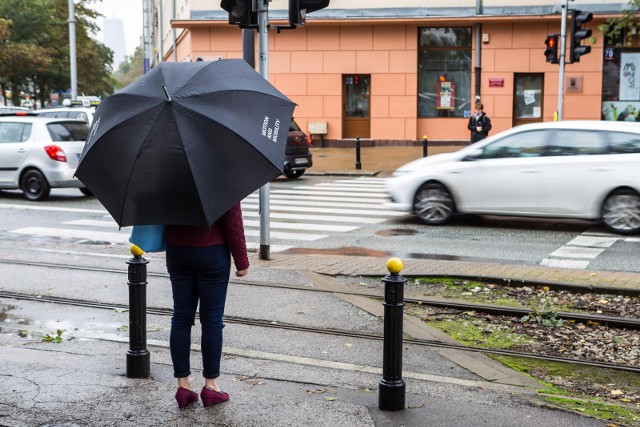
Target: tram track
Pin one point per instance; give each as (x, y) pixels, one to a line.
(497, 310)
(334, 332)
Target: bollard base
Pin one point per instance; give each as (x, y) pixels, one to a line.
(138, 364)
(391, 395)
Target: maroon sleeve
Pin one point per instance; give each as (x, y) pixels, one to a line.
(233, 229)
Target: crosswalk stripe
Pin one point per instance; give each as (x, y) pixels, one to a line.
(69, 233)
(94, 223)
(286, 236)
(301, 226)
(337, 188)
(323, 218)
(364, 202)
(333, 193)
(325, 204)
(325, 210)
(50, 208)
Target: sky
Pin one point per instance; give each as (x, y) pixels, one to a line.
(130, 12)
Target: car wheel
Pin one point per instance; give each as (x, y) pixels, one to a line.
(86, 191)
(34, 185)
(433, 204)
(294, 174)
(621, 211)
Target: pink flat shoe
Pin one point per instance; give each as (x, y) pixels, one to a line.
(185, 397)
(211, 397)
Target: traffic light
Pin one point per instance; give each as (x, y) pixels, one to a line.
(578, 34)
(240, 13)
(298, 10)
(551, 52)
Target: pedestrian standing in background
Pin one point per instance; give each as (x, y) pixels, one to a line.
(479, 124)
(199, 264)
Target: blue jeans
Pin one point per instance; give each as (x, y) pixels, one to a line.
(197, 273)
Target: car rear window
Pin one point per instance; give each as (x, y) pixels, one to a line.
(294, 127)
(14, 132)
(68, 131)
(624, 143)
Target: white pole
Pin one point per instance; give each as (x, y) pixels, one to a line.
(72, 50)
(563, 45)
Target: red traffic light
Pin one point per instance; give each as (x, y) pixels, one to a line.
(551, 52)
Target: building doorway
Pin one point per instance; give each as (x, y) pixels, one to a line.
(528, 105)
(356, 110)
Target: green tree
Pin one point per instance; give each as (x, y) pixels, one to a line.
(623, 27)
(130, 69)
(38, 37)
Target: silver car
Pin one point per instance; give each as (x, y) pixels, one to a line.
(38, 153)
(568, 169)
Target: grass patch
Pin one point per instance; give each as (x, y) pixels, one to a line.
(477, 333)
(603, 411)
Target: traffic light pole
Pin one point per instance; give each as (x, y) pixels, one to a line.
(263, 64)
(563, 45)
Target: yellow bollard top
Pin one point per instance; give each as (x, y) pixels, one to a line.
(136, 250)
(425, 137)
(394, 265)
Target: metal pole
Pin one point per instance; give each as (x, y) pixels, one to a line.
(391, 394)
(173, 32)
(249, 47)
(358, 164)
(138, 357)
(425, 145)
(263, 60)
(72, 50)
(146, 36)
(563, 44)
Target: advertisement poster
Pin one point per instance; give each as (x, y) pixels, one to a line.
(446, 96)
(622, 111)
(629, 77)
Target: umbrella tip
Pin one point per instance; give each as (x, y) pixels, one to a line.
(166, 93)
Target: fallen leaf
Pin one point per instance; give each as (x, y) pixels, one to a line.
(603, 301)
(417, 405)
(317, 390)
(617, 392)
(330, 399)
(366, 389)
(348, 344)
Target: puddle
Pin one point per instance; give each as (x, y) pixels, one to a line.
(13, 325)
(396, 232)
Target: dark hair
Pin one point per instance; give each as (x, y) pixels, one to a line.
(479, 106)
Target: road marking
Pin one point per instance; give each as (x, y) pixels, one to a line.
(329, 187)
(354, 195)
(275, 206)
(564, 263)
(593, 241)
(576, 252)
(94, 223)
(324, 218)
(364, 203)
(283, 201)
(50, 208)
(286, 236)
(68, 233)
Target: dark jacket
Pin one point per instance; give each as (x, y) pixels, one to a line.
(483, 121)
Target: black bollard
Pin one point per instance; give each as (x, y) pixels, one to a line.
(138, 357)
(425, 145)
(391, 395)
(358, 164)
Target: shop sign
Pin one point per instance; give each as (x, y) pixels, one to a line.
(496, 82)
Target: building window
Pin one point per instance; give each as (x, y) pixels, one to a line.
(444, 72)
(621, 80)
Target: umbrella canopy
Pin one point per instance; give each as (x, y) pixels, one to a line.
(185, 142)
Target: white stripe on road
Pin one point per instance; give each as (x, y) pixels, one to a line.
(593, 241)
(255, 247)
(286, 236)
(93, 223)
(576, 252)
(332, 193)
(565, 263)
(364, 203)
(276, 206)
(336, 187)
(50, 208)
(302, 226)
(286, 201)
(324, 218)
(68, 233)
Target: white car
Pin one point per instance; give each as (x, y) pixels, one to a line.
(80, 113)
(38, 153)
(568, 169)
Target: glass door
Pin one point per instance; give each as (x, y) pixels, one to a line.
(356, 120)
(528, 98)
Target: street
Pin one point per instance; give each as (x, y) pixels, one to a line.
(343, 215)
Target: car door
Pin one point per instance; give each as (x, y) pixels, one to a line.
(577, 171)
(503, 178)
(13, 149)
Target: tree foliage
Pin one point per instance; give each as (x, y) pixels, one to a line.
(35, 55)
(623, 27)
(130, 69)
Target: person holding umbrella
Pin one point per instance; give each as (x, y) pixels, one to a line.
(198, 263)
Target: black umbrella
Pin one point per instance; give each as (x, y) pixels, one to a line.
(185, 142)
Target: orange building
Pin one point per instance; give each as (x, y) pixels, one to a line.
(395, 74)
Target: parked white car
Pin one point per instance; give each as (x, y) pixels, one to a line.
(38, 153)
(569, 169)
(80, 113)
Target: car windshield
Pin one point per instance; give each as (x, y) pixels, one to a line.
(68, 131)
(294, 127)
